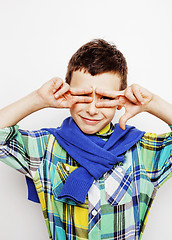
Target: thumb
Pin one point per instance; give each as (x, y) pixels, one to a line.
(123, 120)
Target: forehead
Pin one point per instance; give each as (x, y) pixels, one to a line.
(108, 80)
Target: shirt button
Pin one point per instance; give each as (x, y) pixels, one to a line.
(94, 212)
(67, 168)
(120, 169)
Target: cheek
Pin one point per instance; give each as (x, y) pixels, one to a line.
(108, 112)
(76, 108)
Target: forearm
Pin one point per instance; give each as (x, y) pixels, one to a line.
(54, 94)
(13, 113)
(161, 109)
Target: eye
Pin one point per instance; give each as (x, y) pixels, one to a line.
(106, 98)
(85, 95)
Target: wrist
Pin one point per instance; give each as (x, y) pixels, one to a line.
(34, 102)
(160, 108)
(153, 104)
(38, 100)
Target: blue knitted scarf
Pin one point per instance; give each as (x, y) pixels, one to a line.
(94, 155)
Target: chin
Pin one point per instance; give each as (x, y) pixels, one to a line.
(89, 128)
(88, 131)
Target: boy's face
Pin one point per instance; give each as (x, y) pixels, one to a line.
(87, 116)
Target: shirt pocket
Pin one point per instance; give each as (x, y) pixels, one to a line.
(61, 174)
(118, 186)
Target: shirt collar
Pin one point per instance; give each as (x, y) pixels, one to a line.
(106, 131)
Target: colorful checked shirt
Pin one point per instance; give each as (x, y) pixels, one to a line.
(117, 205)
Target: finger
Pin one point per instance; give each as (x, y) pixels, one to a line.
(137, 91)
(107, 104)
(109, 93)
(57, 83)
(70, 99)
(81, 91)
(129, 94)
(63, 90)
(135, 94)
(123, 120)
(82, 99)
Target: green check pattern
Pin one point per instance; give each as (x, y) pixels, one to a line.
(117, 205)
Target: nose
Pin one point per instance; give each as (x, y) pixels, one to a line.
(92, 110)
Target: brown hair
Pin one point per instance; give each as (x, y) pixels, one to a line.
(96, 57)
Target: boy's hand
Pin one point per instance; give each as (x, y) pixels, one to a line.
(134, 99)
(56, 93)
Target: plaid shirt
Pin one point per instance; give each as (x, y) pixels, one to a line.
(117, 205)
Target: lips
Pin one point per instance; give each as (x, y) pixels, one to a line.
(90, 120)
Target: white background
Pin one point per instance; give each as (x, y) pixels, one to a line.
(37, 38)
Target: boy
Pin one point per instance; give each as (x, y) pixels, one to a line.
(94, 180)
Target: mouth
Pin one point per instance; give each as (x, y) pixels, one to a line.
(90, 120)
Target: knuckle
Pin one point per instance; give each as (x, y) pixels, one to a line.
(72, 90)
(66, 86)
(132, 85)
(128, 93)
(135, 86)
(56, 79)
(53, 80)
(59, 80)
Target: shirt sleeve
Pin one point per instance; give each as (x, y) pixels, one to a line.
(156, 154)
(21, 149)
